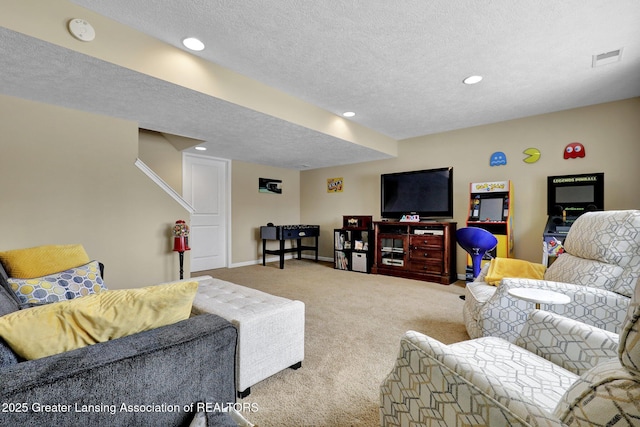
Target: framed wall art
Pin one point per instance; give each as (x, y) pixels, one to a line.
(335, 185)
(268, 185)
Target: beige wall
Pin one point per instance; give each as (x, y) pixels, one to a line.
(161, 157)
(69, 177)
(251, 209)
(610, 133)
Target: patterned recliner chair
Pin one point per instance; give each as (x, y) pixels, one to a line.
(560, 372)
(598, 271)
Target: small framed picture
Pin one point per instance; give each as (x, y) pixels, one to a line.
(335, 185)
(268, 185)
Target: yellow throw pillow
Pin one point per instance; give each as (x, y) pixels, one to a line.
(54, 328)
(500, 268)
(42, 260)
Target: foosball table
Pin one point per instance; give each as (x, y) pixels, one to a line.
(282, 233)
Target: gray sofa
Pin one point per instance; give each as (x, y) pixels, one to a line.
(153, 378)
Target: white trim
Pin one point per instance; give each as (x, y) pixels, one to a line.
(162, 184)
(228, 219)
(277, 259)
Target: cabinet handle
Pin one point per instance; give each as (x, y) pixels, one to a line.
(426, 254)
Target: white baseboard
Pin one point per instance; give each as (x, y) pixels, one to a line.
(277, 259)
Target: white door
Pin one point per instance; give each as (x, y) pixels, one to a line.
(204, 186)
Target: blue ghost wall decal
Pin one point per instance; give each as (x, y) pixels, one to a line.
(498, 159)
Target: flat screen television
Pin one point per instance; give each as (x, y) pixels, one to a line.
(428, 193)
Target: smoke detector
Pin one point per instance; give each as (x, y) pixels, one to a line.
(81, 30)
(606, 58)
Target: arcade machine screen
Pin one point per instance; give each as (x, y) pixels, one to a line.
(491, 209)
(567, 196)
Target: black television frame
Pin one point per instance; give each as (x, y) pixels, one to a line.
(421, 210)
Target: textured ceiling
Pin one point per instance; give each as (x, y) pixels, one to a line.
(230, 131)
(398, 65)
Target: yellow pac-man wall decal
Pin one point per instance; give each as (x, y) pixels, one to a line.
(533, 155)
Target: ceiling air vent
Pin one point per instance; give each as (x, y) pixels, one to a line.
(606, 58)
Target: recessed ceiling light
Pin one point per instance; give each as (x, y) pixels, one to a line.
(348, 114)
(471, 80)
(201, 148)
(193, 43)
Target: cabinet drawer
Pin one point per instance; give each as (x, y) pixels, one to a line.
(425, 267)
(425, 255)
(425, 240)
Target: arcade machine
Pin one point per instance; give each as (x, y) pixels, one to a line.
(491, 208)
(568, 197)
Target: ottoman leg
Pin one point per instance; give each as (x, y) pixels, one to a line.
(296, 366)
(244, 393)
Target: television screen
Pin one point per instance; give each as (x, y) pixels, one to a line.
(428, 193)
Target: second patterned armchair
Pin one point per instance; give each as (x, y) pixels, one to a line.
(598, 272)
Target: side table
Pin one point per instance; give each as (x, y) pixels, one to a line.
(539, 296)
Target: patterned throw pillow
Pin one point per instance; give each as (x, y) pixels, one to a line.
(65, 285)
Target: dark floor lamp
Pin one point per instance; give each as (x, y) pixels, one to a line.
(181, 242)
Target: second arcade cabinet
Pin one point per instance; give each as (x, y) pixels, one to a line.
(568, 197)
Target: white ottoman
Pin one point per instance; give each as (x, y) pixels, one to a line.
(270, 328)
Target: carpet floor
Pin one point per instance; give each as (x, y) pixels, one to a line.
(353, 326)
